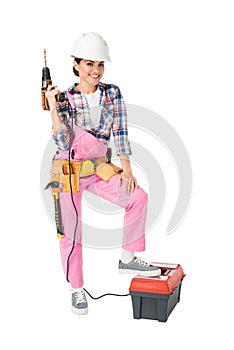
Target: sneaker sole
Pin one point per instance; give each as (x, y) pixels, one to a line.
(141, 273)
(79, 311)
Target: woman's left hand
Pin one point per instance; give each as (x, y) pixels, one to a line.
(129, 180)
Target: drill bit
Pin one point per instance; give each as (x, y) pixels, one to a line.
(45, 57)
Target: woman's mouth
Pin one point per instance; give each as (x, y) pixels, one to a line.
(94, 76)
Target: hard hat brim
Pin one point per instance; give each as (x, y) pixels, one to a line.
(100, 59)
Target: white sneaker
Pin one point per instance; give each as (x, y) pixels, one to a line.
(140, 267)
(79, 302)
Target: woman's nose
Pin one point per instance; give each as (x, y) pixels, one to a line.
(96, 70)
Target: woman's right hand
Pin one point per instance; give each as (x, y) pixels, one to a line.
(51, 92)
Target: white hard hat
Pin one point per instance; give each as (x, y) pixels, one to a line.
(91, 46)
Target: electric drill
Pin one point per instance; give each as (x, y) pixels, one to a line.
(46, 81)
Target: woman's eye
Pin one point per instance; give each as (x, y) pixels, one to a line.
(101, 65)
(89, 63)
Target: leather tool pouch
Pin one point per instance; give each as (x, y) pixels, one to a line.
(107, 170)
(60, 172)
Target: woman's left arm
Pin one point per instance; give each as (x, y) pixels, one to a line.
(127, 176)
(122, 144)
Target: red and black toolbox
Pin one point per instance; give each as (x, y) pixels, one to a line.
(155, 297)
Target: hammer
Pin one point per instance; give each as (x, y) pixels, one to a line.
(56, 188)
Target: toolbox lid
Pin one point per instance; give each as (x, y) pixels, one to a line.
(171, 275)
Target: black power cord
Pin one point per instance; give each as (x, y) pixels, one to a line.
(72, 116)
(103, 295)
(72, 199)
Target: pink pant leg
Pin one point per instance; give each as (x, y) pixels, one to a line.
(73, 267)
(134, 222)
(135, 205)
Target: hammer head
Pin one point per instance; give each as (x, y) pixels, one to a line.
(53, 185)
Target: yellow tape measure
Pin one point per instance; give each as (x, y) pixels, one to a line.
(87, 167)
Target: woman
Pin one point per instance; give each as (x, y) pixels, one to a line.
(82, 124)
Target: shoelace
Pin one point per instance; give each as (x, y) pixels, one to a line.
(142, 262)
(80, 297)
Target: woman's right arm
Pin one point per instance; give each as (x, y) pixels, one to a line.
(62, 133)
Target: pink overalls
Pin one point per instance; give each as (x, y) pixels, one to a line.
(85, 146)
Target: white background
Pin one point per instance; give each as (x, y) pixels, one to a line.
(175, 58)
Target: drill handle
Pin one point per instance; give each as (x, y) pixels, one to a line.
(44, 101)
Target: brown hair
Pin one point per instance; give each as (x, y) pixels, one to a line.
(77, 60)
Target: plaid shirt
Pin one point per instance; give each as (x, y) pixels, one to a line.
(113, 117)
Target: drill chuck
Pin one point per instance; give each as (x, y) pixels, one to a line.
(46, 78)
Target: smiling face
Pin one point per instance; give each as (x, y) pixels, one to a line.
(90, 72)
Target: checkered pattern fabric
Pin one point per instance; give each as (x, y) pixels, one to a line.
(113, 118)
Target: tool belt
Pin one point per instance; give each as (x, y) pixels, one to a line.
(60, 171)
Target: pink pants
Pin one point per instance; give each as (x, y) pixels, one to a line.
(135, 206)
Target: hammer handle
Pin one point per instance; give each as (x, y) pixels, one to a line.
(58, 218)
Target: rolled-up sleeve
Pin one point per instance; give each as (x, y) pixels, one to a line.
(63, 135)
(120, 127)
